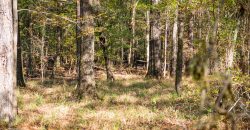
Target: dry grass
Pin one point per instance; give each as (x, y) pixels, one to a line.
(128, 103)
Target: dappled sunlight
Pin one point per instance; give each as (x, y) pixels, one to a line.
(123, 104)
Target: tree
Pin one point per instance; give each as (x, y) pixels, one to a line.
(179, 62)
(8, 38)
(85, 47)
(154, 69)
(19, 73)
(174, 45)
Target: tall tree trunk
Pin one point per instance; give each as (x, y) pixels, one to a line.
(190, 52)
(174, 45)
(42, 50)
(110, 76)
(58, 47)
(85, 34)
(29, 34)
(230, 53)
(155, 45)
(131, 55)
(122, 52)
(165, 47)
(8, 40)
(179, 64)
(147, 38)
(213, 41)
(19, 74)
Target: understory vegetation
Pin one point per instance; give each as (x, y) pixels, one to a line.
(131, 102)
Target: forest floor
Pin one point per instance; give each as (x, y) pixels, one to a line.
(130, 102)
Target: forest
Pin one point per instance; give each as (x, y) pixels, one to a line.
(125, 64)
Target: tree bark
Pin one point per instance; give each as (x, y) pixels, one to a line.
(19, 74)
(131, 55)
(155, 45)
(85, 45)
(165, 47)
(110, 76)
(230, 53)
(179, 64)
(174, 45)
(213, 55)
(29, 34)
(42, 51)
(147, 37)
(8, 40)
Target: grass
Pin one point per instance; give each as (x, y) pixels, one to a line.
(127, 103)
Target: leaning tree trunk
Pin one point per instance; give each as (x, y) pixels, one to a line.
(19, 74)
(179, 64)
(85, 47)
(8, 39)
(155, 45)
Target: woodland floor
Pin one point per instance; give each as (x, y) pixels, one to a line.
(131, 102)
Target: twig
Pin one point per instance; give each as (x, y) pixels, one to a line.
(234, 105)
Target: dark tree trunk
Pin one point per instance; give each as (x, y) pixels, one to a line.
(110, 76)
(19, 74)
(179, 64)
(155, 45)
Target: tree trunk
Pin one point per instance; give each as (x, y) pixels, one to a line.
(131, 55)
(110, 76)
(213, 55)
(29, 35)
(8, 40)
(174, 45)
(42, 50)
(19, 74)
(85, 47)
(165, 47)
(230, 53)
(58, 46)
(147, 38)
(155, 45)
(179, 64)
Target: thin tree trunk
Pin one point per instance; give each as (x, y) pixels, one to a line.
(131, 55)
(110, 76)
(42, 50)
(230, 54)
(147, 37)
(122, 52)
(8, 40)
(29, 35)
(165, 47)
(213, 41)
(58, 47)
(174, 45)
(19, 74)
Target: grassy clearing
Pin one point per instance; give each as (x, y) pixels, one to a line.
(127, 103)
